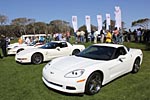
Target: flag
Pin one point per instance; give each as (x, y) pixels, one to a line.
(88, 23)
(74, 23)
(107, 21)
(99, 20)
(118, 17)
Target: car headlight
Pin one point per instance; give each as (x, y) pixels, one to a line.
(75, 73)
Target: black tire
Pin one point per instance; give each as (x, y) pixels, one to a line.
(37, 58)
(76, 51)
(136, 66)
(93, 84)
(19, 50)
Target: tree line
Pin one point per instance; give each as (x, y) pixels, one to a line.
(20, 26)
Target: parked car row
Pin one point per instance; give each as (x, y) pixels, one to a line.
(87, 69)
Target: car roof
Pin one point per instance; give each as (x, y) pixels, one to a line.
(109, 45)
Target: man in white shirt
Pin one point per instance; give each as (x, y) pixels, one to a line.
(27, 41)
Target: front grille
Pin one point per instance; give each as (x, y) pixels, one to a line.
(54, 83)
(67, 87)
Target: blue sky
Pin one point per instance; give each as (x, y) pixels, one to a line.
(48, 10)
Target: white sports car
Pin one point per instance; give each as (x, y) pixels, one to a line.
(47, 52)
(13, 49)
(95, 66)
(14, 45)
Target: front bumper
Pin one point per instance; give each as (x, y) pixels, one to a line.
(67, 85)
(22, 59)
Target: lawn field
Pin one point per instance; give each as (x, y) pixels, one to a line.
(23, 82)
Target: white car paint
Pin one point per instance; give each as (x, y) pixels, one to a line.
(54, 73)
(25, 56)
(14, 45)
(12, 49)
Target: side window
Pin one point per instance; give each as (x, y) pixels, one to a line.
(55, 45)
(63, 44)
(120, 51)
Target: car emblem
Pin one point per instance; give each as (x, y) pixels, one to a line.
(51, 72)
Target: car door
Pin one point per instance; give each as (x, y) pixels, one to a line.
(63, 49)
(52, 51)
(120, 64)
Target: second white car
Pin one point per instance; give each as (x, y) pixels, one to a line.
(47, 52)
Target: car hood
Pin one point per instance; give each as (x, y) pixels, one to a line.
(16, 45)
(29, 50)
(72, 62)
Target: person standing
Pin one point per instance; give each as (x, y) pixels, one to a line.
(27, 40)
(102, 36)
(0, 47)
(116, 35)
(68, 36)
(135, 36)
(129, 35)
(3, 45)
(82, 33)
(78, 36)
(20, 40)
(96, 33)
(86, 36)
(60, 37)
(139, 35)
(108, 36)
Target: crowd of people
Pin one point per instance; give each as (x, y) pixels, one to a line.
(32, 39)
(113, 36)
(47, 38)
(58, 36)
(104, 36)
(138, 35)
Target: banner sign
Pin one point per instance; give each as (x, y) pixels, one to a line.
(99, 20)
(74, 23)
(118, 17)
(88, 23)
(107, 21)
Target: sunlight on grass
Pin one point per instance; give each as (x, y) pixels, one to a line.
(23, 82)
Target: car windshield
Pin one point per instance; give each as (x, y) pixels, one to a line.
(50, 45)
(32, 43)
(97, 52)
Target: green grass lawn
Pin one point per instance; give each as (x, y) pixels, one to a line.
(23, 82)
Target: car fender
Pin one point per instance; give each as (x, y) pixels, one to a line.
(98, 68)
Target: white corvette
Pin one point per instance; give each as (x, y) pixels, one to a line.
(14, 45)
(13, 49)
(95, 66)
(47, 52)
